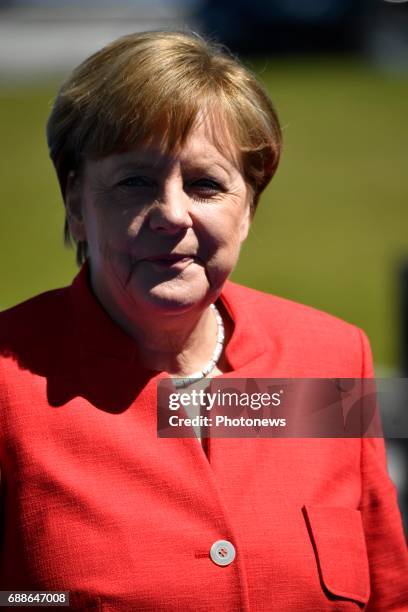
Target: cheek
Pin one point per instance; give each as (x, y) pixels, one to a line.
(100, 241)
(226, 232)
(227, 253)
(223, 247)
(108, 234)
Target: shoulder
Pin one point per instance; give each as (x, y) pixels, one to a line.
(41, 308)
(277, 310)
(297, 329)
(34, 326)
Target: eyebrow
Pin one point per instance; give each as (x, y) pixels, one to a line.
(141, 164)
(205, 165)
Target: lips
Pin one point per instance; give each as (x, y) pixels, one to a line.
(171, 260)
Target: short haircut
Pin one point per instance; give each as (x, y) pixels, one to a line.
(160, 83)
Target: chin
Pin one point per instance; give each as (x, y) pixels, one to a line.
(174, 299)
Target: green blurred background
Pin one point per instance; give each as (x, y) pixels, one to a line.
(330, 230)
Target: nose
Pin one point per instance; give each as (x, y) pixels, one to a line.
(170, 214)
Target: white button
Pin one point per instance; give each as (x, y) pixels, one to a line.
(222, 552)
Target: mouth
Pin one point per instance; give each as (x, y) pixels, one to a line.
(171, 260)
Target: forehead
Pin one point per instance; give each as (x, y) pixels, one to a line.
(206, 145)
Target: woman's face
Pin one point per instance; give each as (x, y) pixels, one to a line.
(164, 231)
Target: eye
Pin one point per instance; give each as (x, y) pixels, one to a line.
(136, 181)
(205, 188)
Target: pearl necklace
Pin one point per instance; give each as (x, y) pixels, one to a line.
(183, 382)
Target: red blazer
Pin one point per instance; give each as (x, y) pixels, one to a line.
(95, 504)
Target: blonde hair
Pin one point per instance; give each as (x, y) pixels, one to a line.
(160, 83)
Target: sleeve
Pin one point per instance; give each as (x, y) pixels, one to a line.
(385, 539)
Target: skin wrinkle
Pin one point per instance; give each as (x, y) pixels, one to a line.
(172, 206)
(89, 120)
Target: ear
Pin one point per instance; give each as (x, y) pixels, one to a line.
(73, 208)
(245, 223)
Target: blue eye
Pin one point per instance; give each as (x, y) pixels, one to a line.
(136, 181)
(207, 184)
(205, 187)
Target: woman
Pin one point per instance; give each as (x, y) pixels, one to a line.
(162, 145)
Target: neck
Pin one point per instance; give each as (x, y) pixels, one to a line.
(179, 344)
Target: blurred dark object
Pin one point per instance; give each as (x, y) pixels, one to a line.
(400, 447)
(377, 28)
(404, 319)
(385, 34)
(283, 26)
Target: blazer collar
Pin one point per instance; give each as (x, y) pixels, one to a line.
(97, 333)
